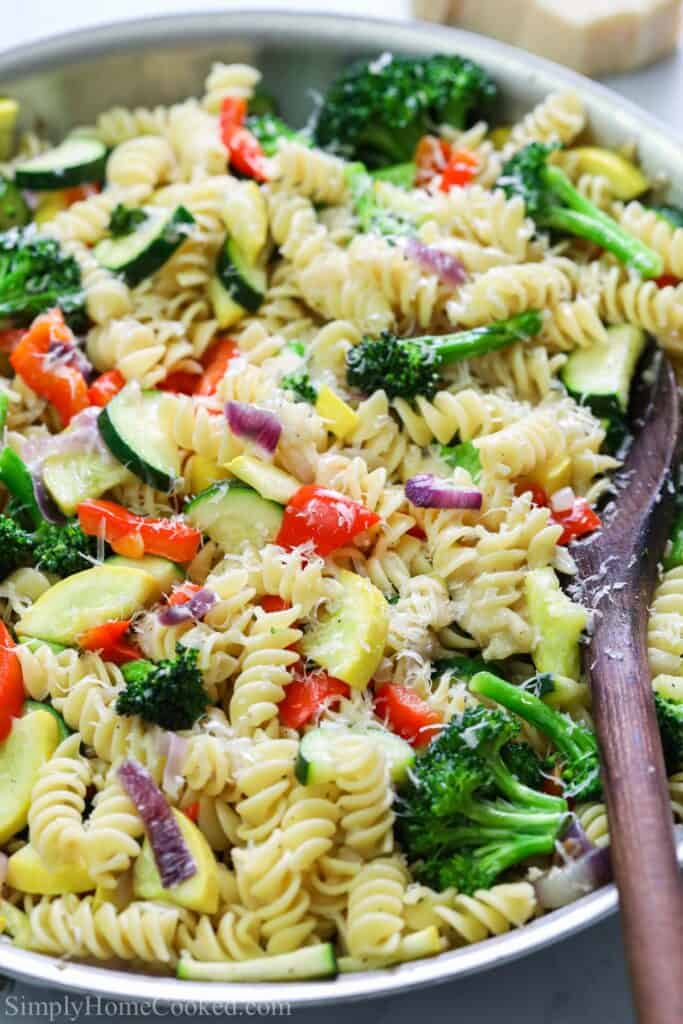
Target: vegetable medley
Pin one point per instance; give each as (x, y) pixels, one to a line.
(299, 427)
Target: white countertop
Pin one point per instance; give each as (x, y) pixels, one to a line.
(579, 981)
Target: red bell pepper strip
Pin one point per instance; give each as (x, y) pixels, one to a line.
(325, 518)
(61, 384)
(103, 389)
(417, 531)
(246, 154)
(182, 593)
(192, 811)
(182, 382)
(109, 640)
(215, 362)
(135, 536)
(273, 603)
(407, 714)
(307, 697)
(667, 280)
(79, 192)
(11, 683)
(576, 521)
(538, 495)
(460, 170)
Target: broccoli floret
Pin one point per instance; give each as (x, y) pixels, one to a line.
(36, 275)
(480, 867)
(401, 175)
(169, 693)
(373, 216)
(300, 385)
(463, 814)
(524, 762)
(552, 202)
(269, 129)
(63, 549)
(674, 554)
(405, 368)
(16, 545)
(378, 110)
(577, 749)
(670, 720)
(459, 665)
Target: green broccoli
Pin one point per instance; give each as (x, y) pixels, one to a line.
(524, 762)
(479, 867)
(674, 554)
(576, 746)
(35, 275)
(269, 129)
(552, 202)
(16, 545)
(459, 665)
(670, 720)
(378, 110)
(463, 815)
(169, 693)
(407, 367)
(374, 217)
(401, 175)
(14, 211)
(63, 549)
(300, 385)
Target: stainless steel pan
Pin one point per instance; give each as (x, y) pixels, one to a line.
(67, 80)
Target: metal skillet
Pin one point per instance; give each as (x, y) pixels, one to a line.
(69, 79)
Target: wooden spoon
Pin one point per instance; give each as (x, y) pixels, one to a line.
(617, 571)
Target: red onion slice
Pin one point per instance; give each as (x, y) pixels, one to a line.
(258, 425)
(48, 508)
(447, 268)
(174, 861)
(3, 868)
(193, 610)
(427, 491)
(562, 885)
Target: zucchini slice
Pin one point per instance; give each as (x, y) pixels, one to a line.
(315, 763)
(234, 514)
(132, 430)
(87, 599)
(141, 253)
(310, 962)
(601, 375)
(244, 282)
(76, 476)
(77, 160)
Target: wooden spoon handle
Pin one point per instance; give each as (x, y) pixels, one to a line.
(642, 846)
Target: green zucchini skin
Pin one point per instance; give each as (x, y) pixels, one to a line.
(123, 424)
(144, 251)
(77, 161)
(245, 284)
